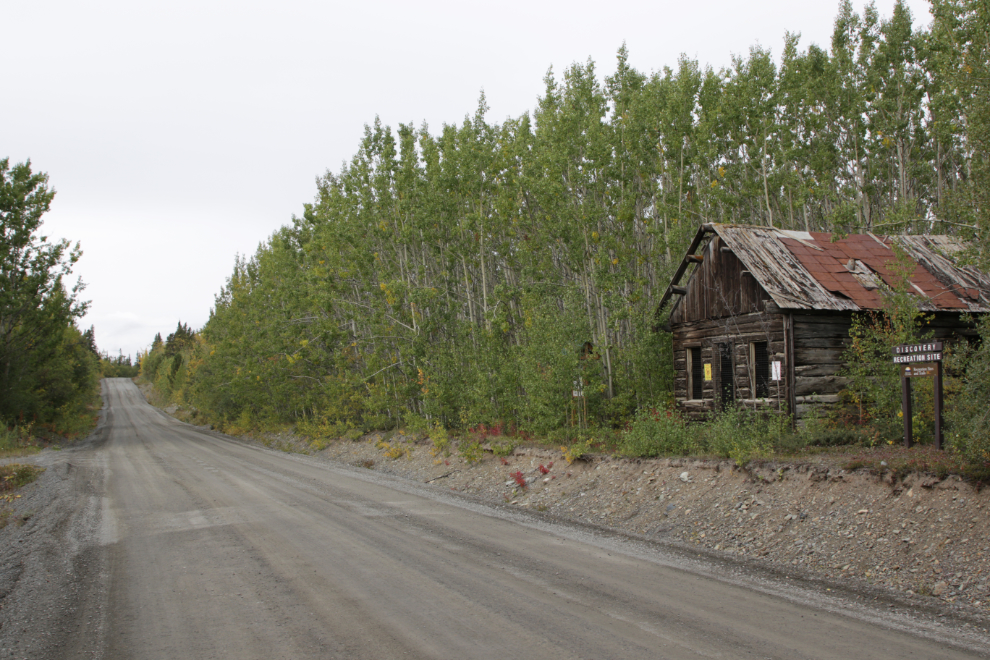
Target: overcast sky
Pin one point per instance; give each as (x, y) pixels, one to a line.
(180, 133)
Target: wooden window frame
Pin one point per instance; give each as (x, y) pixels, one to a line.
(720, 392)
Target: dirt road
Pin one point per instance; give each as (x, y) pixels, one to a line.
(173, 542)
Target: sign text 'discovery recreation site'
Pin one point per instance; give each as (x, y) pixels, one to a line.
(910, 353)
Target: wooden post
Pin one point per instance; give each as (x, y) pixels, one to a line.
(906, 407)
(938, 405)
(790, 375)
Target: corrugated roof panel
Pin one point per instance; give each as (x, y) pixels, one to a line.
(937, 255)
(775, 263)
(812, 273)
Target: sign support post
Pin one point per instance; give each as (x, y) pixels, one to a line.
(906, 407)
(911, 354)
(938, 405)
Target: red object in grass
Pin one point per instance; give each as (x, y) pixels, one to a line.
(504, 462)
(520, 479)
(544, 470)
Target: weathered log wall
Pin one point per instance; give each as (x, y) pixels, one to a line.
(738, 331)
(820, 340)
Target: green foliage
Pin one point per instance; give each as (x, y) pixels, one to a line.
(819, 428)
(173, 368)
(873, 395)
(958, 54)
(117, 367)
(968, 414)
(736, 433)
(48, 370)
(440, 440)
(503, 448)
(321, 430)
(455, 276)
(658, 432)
(577, 451)
(16, 438)
(182, 339)
(470, 450)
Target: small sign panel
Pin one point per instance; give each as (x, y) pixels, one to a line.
(775, 370)
(919, 370)
(917, 367)
(708, 371)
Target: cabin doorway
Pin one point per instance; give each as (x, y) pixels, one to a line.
(726, 385)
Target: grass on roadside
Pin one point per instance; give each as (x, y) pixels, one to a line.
(14, 476)
(18, 441)
(902, 461)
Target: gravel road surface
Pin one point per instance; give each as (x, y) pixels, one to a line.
(157, 539)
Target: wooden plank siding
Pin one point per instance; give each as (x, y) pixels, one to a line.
(718, 288)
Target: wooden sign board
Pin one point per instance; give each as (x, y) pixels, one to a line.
(911, 353)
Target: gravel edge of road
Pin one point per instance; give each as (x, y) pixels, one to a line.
(56, 556)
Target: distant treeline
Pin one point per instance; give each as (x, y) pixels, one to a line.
(49, 370)
(118, 366)
(484, 273)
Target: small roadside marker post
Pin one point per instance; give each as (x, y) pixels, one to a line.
(920, 360)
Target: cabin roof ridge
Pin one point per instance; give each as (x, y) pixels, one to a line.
(820, 271)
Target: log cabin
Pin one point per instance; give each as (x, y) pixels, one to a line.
(763, 317)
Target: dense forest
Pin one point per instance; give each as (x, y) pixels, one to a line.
(479, 274)
(49, 369)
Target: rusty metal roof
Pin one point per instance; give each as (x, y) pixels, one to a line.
(807, 270)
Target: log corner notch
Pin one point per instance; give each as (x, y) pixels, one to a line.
(674, 287)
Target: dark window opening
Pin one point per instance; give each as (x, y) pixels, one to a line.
(761, 370)
(727, 393)
(697, 373)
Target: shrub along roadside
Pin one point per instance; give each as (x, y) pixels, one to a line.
(737, 434)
